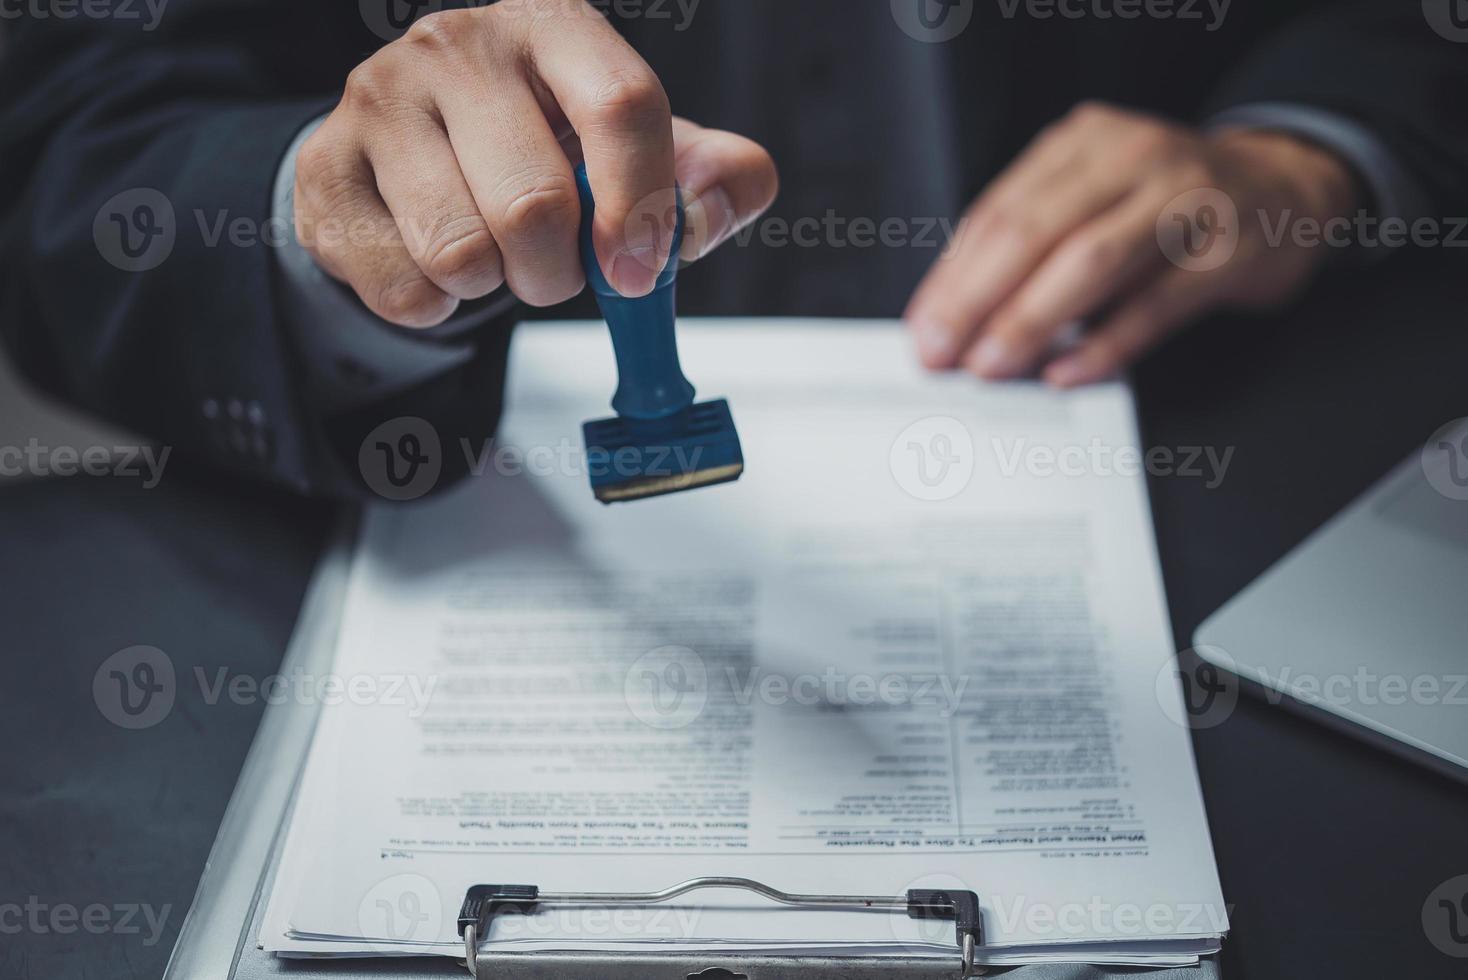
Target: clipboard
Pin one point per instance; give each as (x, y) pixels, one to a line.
(218, 938)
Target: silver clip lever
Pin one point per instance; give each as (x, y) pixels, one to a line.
(483, 903)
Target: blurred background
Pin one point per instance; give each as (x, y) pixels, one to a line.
(25, 414)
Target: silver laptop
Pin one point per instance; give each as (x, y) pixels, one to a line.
(1365, 625)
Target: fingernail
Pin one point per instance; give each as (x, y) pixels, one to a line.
(635, 270)
(935, 344)
(708, 220)
(992, 358)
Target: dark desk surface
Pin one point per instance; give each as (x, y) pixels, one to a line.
(1328, 849)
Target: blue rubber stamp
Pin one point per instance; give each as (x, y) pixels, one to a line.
(660, 441)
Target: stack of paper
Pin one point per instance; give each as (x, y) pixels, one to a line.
(922, 643)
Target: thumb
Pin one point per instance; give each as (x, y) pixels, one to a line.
(727, 182)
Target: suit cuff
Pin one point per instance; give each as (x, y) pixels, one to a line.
(352, 356)
(1394, 193)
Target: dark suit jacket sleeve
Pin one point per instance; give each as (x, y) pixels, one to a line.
(1393, 66)
(186, 344)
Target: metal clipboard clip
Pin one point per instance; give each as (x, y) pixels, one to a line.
(483, 903)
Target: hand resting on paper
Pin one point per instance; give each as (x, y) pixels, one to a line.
(1134, 224)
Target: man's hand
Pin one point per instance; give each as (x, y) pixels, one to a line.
(447, 168)
(1081, 227)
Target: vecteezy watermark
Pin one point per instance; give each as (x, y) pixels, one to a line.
(135, 230)
(1199, 230)
(1097, 458)
(403, 908)
(1445, 917)
(1097, 916)
(1448, 17)
(837, 231)
(924, 929)
(1363, 687)
(135, 688)
(391, 19)
(1361, 230)
(933, 459)
(1210, 688)
(937, 21)
(1445, 460)
(678, 14)
(1209, 13)
(666, 923)
(712, 220)
(1084, 917)
(933, 21)
(670, 687)
(403, 459)
(97, 919)
(411, 691)
(144, 12)
(667, 688)
(143, 463)
(138, 230)
(834, 688)
(1198, 693)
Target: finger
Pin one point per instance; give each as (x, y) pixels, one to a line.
(521, 182)
(439, 218)
(1003, 238)
(624, 122)
(1086, 272)
(727, 182)
(355, 239)
(1166, 304)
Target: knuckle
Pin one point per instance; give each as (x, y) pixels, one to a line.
(442, 31)
(1152, 141)
(630, 98)
(461, 250)
(547, 205)
(412, 301)
(369, 83)
(1012, 224)
(1149, 139)
(332, 194)
(326, 183)
(323, 250)
(316, 157)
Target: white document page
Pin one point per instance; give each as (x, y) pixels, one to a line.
(921, 643)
